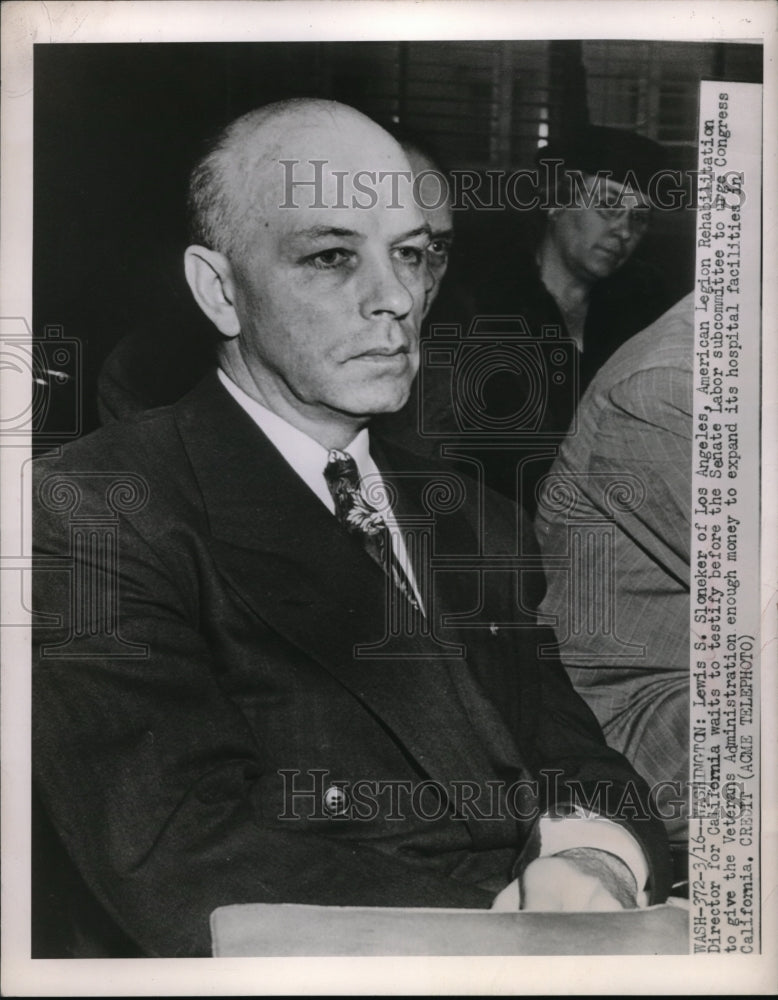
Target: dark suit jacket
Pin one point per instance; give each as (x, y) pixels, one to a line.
(214, 657)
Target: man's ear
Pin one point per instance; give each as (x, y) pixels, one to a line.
(209, 275)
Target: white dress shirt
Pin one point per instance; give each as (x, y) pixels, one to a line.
(308, 458)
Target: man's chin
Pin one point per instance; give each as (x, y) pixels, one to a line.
(605, 265)
(387, 393)
(380, 407)
(381, 400)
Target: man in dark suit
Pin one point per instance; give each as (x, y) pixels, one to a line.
(257, 680)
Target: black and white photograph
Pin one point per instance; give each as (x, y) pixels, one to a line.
(388, 468)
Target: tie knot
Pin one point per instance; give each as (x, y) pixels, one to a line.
(351, 508)
(341, 470)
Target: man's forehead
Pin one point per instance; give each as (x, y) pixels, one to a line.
(317, 225)
(338, 184)
(343, 140)
(624, 195)
(323, 169)
(313, 195)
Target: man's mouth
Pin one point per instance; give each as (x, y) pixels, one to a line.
(395, 363)
(397, 356)
(610, 253)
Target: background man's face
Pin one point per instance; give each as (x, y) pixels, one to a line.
(595, 242)
(441, 237)
(330, 299)
(436, 208)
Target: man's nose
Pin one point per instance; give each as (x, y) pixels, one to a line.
(624, 226)
(385, 293)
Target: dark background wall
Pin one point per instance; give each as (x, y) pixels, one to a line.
(117, 128)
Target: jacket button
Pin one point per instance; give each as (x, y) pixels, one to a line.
(336, 800)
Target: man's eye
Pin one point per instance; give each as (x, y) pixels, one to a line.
(410, 255)
(326, 260)
(439, 249)
(639, 217)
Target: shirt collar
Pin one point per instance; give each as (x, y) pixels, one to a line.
(307, 457)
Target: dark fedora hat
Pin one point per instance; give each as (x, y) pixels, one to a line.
(623, 155)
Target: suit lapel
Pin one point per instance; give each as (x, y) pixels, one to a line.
(489, 660)
(289, 560)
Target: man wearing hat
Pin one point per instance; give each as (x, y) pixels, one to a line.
(595, 220)
(575, 275)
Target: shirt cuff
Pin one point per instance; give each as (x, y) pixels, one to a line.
(561, 834)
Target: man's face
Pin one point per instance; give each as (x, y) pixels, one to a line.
(439, 250)
(595, 242)
(431, 194)
(330, 299)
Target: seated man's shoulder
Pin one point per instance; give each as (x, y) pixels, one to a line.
(649, 373)
(155, 439)
(121, 444)
(134, 470)
(645, 387)
(666, 344)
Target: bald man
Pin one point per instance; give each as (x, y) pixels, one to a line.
(277, 663)
(154, 367)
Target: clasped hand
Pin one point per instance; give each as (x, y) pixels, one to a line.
(583, 879)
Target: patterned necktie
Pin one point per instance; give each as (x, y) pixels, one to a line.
(360, 518)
